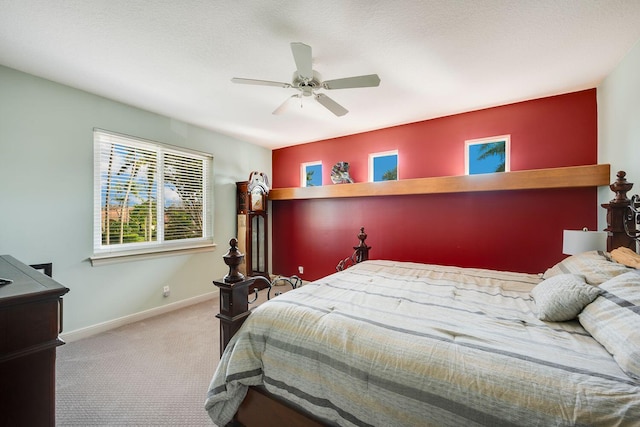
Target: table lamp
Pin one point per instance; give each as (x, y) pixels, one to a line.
(578, 241)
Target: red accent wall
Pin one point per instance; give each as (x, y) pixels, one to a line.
(510, 230)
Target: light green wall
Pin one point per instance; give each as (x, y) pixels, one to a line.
(619, 124)
(46, 196)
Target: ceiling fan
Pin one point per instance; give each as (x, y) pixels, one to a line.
(307, 81)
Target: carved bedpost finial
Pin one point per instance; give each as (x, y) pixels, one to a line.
(620, 187)
(233, 258)
(362, 250)
(362, 236)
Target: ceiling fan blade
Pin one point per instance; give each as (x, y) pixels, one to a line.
(331, 105)
(285, 105)
(302, 56)
(369, 80)
(259, 82)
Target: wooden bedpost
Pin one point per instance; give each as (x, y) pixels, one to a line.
(362, 250)
(617, 210)
(234, 296)
(361, 253)
(234, 287)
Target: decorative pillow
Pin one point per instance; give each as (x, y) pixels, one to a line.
(613, 319)
(595, 266)
(562, 297)
(626, 256)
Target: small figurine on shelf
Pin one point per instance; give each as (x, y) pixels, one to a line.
(340, 173)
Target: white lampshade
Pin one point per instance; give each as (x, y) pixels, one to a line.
(578, 241)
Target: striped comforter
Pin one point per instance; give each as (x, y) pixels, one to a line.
(401, 344)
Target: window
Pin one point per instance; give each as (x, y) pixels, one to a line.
(311, 174)
(149, 197)
(487, 155)
(383, 166)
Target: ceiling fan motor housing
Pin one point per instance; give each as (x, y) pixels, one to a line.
(306, 85)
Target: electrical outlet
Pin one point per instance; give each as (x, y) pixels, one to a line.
(300, 269)
(166, 291)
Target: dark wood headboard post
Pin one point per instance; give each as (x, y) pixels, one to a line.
(362, 250)
(361, 253)
(617, 209)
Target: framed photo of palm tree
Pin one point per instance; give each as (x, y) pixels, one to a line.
(487, 155)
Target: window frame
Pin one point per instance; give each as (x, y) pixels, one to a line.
(106, 254)
(303, 173)
(373, 156)
(488, 140)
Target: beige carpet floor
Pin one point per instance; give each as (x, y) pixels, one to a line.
(151, 373)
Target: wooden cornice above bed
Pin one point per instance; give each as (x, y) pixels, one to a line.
(565, 177)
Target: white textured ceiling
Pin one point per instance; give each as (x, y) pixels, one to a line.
(434, 58)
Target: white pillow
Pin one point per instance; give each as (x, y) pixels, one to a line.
(613, 319)
(596, 266)
(562, 297)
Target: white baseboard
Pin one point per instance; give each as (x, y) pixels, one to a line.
(136, 317)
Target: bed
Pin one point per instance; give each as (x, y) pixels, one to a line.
(386, 343)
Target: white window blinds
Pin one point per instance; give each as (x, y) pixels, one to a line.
(149, 195)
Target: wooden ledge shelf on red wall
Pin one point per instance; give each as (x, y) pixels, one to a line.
(565, 177)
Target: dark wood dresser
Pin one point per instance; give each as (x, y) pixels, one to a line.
(30, 321)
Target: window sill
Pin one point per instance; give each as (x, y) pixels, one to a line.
(118, 257)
